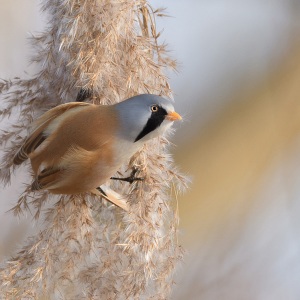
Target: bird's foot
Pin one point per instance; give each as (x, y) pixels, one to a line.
(130, 178)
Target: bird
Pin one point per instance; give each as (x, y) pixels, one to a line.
(77, 146)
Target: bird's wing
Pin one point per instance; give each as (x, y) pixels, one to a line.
(37, 136)
(47, 177)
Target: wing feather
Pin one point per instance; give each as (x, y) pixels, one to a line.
(38, 135)
(46, 178)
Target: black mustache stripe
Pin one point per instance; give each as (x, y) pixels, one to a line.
(154, 122)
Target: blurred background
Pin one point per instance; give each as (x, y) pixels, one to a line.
(238, 88)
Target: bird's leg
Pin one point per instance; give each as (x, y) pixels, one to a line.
(130, 178)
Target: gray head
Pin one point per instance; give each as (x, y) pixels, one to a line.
(145, 116)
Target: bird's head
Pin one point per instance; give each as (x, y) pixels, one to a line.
(145, 116)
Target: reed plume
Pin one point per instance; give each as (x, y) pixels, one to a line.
(88, 249)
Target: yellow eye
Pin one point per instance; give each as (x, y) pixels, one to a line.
(154, 108)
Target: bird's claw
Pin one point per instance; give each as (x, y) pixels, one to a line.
(130, 178)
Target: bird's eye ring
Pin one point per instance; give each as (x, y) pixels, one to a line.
(154, 108)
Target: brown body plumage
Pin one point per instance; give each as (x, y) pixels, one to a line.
(66, 155)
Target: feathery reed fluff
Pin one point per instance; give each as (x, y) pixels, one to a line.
(88, 248)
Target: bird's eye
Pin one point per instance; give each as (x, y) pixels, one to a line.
(154, 108)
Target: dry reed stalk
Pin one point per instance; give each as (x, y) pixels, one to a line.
(88, 249)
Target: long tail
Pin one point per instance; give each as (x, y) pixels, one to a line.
(111, 196)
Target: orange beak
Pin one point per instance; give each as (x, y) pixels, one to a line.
(173, 116)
